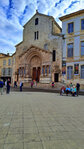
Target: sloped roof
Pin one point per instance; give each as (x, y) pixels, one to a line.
(18, 43)
(40, 14)
(4, 55)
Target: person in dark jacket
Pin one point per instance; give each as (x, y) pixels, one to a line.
(8, 86)
(1, 87)
(78, 88)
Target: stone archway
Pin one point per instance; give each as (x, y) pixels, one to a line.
(35, 64)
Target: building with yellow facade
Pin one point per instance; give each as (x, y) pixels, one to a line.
(5, 66)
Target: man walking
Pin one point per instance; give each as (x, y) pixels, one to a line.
(21, 85)
(1, 87)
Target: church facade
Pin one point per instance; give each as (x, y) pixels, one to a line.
(39, 55)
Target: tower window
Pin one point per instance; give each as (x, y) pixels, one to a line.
(36, 35)
(36, 21)
(54, 55)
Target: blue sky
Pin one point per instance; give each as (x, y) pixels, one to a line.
(15, 13)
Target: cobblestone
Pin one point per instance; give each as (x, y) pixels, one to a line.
(32, 120)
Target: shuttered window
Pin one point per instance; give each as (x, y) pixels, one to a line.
(70, 27)
(82, 72)
(82, 24)
(70, 72)
(70, 50)
(82, 48)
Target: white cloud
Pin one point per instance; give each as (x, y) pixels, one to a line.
(4, 2)
(15, 13)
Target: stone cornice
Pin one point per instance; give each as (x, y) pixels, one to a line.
(72, 15)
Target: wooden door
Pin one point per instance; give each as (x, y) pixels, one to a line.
(56, 77)
(38, 74)
(34, 74)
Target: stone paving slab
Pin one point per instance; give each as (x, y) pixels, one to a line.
(32, 120)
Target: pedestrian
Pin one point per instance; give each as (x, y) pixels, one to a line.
(53, 84)
(15, 84)
(21, 85)
(1, 87)
(78, 88)
(62, 90)
(8, 86)
(5, 88)
(74, 91)
(71, 85)
(35, 84)
(32, 84)
(68, 90)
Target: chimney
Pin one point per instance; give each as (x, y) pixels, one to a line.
(7, 54)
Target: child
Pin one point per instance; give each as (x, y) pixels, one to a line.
(31, 84)
(53, 84)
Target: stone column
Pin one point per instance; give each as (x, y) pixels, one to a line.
(49, 70)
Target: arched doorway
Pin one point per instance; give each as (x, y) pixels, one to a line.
(35, 63)
(36, 73)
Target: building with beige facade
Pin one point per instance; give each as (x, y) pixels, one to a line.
(5, 66)
(73, 47)
(39, 55)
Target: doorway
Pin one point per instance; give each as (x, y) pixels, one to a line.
(36, 74)
(56, 77)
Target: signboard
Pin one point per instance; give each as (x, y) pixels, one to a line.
(76, 68)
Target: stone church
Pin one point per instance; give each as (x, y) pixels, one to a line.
(39, 55)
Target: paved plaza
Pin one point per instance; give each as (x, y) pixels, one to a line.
(32, 120)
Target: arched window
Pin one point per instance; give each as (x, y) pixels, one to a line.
(42, 70)
(36, 35)
(45, 70)
(36, 21)
(46, 46)
(49, 69)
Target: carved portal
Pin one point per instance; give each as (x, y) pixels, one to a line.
(35, 64)
(35, 61)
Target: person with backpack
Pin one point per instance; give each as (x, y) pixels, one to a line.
(21, 85)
